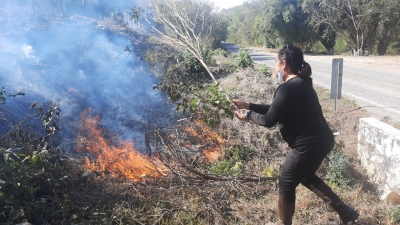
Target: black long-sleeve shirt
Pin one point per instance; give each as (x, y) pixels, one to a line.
(297, 110)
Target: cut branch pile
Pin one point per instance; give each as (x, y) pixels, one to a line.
(188, 168)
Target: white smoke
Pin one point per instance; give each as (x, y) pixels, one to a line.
(72, 61)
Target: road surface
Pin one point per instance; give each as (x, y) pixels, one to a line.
(372, 81)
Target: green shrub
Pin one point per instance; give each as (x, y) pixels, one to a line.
(243, 59)
(338, 165)
(241, 154)
(318, 47)
(29, 165)
(207, 55)
(394, 47)
(227, 167)
(221, 167)
(341, 46)
(227, 67)
(271, 172)
(266, 70)
(395, 214)
(212, 105)
(221, 51)
(233, 162)
(237, 169)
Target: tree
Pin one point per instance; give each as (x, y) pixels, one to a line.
(326, 34)
(188, 28)
(355, 21)
(389, 26)
(287, 20)
(327, 38)
(240, 21)
(187, 25)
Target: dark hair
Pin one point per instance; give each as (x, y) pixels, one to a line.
(295, 61)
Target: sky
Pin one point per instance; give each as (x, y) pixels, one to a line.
(227, 3)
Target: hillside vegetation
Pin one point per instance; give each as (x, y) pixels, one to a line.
(351, 27)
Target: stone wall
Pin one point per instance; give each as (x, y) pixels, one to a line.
(379, 151)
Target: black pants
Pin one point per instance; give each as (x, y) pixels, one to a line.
(301, 165)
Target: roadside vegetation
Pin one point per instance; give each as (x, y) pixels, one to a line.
(216, 169)
(320, 26)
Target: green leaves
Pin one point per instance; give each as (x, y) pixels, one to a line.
(233, 162)
(271, 172)
(194, 104)
(337, 171)
(222, 52)
(26, 166)
(395, 214)
(243, 59)
(211, 105)
(241, 154)
(2, 97)
(24, 177)
(221, 168)
(266, 70)
(207, 56)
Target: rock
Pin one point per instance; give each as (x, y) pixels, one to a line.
(393, 198)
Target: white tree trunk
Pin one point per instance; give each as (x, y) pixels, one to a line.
(329, 51)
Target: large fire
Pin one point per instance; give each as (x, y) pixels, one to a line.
(121, 160)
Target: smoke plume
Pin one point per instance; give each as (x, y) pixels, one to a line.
(59, 51)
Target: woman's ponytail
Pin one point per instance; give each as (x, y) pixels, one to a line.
(305, 72)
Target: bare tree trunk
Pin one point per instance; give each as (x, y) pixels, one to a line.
(383, 45)
(330, 51)
(188, 25)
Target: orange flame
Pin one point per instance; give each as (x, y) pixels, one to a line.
(123, 160)
(213, 153)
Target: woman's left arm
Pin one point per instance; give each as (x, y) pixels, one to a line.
(259, 108)
(275, 112)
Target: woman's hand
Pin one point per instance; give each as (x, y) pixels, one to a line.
(241, 114)
(239, 104)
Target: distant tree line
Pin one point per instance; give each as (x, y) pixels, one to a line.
(363, 25)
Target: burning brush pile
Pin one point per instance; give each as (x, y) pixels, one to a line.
(184, 146)
(171, 179)
(108, 178)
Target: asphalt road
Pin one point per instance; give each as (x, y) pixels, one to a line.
(373, 82)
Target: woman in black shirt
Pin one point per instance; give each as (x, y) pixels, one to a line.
(297, 111)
